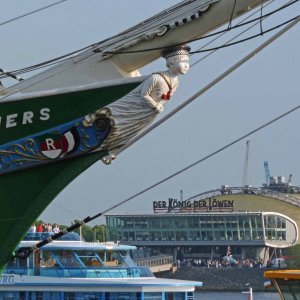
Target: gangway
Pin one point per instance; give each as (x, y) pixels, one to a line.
(160, 263)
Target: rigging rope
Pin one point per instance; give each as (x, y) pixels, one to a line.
(209, 35)
(93, 46)
(32, 12)
(231, 17)
(67, 56)
(219, 36)
(211, 84)
(225, 45)
(248, 38)
(24, 252)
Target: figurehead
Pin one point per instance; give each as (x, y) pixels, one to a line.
(176, 56)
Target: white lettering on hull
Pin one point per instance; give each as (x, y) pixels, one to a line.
(27, 117)
(7, 280)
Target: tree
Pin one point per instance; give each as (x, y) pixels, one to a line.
(92, 234)
(99, 233)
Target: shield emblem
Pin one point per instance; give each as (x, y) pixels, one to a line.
(54, 145)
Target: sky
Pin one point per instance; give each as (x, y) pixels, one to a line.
(260, 90)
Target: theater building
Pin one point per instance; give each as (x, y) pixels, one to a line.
(205, 227)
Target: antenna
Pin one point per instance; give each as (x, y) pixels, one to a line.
(246, 162)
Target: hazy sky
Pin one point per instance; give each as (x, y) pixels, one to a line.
(260, 90)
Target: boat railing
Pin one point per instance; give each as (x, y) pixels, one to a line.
(38, 236)
(154, 261)
(61, 272)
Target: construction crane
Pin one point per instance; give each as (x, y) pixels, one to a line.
(290, 179)
(246, 163)
(267, 172)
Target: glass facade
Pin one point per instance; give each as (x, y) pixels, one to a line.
(275, 227)
(234, 228)
(185, 227)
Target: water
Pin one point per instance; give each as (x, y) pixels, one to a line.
(234, 296)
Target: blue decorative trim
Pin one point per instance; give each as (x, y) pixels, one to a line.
(65, 141)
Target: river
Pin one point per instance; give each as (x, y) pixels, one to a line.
(234, 296)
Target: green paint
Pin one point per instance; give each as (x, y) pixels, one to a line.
(25, 194)
(63, 108)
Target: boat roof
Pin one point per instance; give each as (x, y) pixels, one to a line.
(80, 245)
(282, 274)
(71, 241)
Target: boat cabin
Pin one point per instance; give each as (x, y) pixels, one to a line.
(72, 269)
(70, 256)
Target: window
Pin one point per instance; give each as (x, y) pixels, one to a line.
(175, 296)
(152, 296)
(7, 295)
(122, 296)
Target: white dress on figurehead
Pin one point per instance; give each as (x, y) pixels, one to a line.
(135, 111)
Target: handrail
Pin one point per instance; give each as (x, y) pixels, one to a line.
(83, 272)
(155, 261)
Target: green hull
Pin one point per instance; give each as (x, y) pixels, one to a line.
(61, 108)
(25, 194)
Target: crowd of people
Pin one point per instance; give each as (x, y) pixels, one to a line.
(221, 263)
(43, 227)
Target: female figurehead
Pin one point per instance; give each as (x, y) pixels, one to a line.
(138, 109)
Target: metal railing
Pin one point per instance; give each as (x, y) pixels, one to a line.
(155, 261)
(135, 272)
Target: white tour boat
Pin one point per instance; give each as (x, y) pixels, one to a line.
(72, 269)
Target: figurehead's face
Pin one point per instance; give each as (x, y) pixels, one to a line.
(178, 64)
(182, 66)
(177, 59)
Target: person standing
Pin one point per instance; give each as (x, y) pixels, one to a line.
(56, 229)
(40, 228)
(32, 229)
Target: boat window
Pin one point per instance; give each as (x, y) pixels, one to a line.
(7, 295)
(46, 255)
(48, 260)
(12, 263)
(125, 296)
(152, 296)
(22, 263)
(50, 263)
(47, 295)
(91, 260)
(114, 259)
(190, 296)
(101, 255)
(175, 296)
(128, 261)
(67, 258)
(69, 296)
